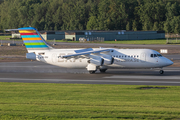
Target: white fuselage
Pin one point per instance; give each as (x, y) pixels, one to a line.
(123, 58)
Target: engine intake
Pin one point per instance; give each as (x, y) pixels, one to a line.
(31, 56)
(108, 59)
(96, 60)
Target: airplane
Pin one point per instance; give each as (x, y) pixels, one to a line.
(92, 59)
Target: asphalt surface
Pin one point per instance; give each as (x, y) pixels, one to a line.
(38, 72)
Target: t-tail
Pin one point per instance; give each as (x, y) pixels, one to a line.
(32, 39)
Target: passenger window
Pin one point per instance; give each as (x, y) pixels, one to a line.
(152, 55)
(41, 53)
(137, 56)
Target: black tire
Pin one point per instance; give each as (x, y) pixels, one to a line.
(161, 72)
(102, 70)
(92, 72)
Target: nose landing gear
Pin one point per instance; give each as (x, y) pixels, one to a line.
(161, 71)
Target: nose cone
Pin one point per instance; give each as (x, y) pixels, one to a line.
(163, 62)
(169, 62)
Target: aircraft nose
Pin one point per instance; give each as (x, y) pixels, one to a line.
(169, 62)
(166, 62)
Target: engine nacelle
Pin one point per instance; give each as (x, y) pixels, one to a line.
(31, 56)
(96, 60)
(108, 59)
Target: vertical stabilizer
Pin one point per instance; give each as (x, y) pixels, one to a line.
(32, 39)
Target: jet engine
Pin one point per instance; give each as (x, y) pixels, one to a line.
(31, 56)
(108, 59)
(96, 60)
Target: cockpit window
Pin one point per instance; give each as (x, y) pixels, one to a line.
(159, 55)
(156, 55)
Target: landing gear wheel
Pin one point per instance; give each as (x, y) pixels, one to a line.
(102, 70)
(161, 71)
(92, 72)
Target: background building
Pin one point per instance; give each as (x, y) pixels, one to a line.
(100, 35)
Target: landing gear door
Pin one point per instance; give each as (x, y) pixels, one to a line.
(143, 57)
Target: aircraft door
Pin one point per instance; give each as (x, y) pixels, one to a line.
(54, 58)
(143, 57)
(156, 58)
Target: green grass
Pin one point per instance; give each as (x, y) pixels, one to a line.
(173, 41)
(81, 101)
(5, 37)
(136, 42)
(63, 41)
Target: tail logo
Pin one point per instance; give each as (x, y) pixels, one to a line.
(32, 39)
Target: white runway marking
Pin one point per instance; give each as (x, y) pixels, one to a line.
(146, 77)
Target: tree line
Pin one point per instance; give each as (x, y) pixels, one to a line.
(91, 14)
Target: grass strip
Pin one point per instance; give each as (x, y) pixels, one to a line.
(81, 101)
(5, 37)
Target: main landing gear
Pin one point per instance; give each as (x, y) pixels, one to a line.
(92, 72)
(102, 70)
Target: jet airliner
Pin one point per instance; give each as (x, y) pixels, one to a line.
(92, 59)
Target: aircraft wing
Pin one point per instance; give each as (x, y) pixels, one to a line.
(87, 52)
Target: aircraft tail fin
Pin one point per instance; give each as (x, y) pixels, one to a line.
(32, 39)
